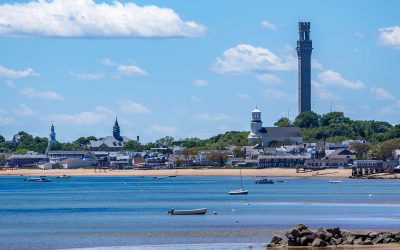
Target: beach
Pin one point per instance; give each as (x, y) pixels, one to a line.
(269, 172)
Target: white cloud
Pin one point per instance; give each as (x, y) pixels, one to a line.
(268, 25)
(10, 73)
(86, 18)
(195, 98)
(87, 76)
(130, 70)
(200, 83)
(323, 92)
(269, 79)
(211, 117)
(24, 110)
(10, 84)
(381, 94)
(5, 120)
(390, 36)
(330, 77)
(162, 130)
(358, 34)
(247, 58)
(315, 64)
(87, 118)
(48, 95)
(132, 107)
(124, 70)
(275, 94)
(244, 96)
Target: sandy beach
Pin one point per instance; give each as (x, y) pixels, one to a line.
(270, 172)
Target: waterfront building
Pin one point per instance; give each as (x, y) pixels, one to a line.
(304, 49)
(263, 136)
(110, 143)
(26, 160)
(60, 155)
(269, 161)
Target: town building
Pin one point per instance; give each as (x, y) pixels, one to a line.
(26, 160)
(60, 155)
(110, 143)
(266, 135)
(279, 161)
(304, 49)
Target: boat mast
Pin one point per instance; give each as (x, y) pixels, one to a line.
(241, 181)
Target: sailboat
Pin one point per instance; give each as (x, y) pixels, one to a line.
(241, 190)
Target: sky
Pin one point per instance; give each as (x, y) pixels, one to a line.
(190, 68)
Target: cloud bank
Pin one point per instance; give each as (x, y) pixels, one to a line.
(86, 18)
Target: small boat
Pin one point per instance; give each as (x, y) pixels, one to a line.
(238, 192)
(264, 181)
(280, 181)
(38, 179)
(63, 176)
(160, 177)
(32, 179)
(172, 176)
(188, 212)
(43, 179)
(332, 181)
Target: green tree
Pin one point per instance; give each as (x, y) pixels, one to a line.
(133, 145)
(384, 149)
(21, 150)
(165, 142)
(307, 119)
(333, 117)
(283, 122)
(217, 157)
(56, 146)
(360, 149)
(2, 139)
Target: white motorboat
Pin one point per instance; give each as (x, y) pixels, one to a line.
(238, 192)
(188, 212)
(332, 181)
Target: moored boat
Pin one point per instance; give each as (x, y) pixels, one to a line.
(238, 192)
(332, 181)
(63, 176)
(264, 181)
(188, 212)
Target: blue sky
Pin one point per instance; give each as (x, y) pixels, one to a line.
(189, 69)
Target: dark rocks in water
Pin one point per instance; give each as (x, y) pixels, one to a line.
(318, 243)
(301, 235)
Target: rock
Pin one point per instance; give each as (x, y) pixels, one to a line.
(379, 239)
(293, 234)
(304, 241)
(324, 234)
(368, 241)
(372, 235)
(318, 243)
(305, 232)
(276, 239)
(350, 239)
(335, 232)
(358, 241)
(311, 237)
(301, 227)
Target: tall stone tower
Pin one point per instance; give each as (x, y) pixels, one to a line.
(304, 49)
(52, 138)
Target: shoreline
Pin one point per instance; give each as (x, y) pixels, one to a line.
(266, 172)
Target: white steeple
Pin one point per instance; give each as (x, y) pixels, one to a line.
(255, 126)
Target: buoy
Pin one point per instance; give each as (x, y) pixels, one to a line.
(233, 210)
(149, 234)
(215, 212)
(370, 195)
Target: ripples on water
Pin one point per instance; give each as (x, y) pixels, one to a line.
(84, 212)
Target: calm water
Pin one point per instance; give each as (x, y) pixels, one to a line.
(92, 212)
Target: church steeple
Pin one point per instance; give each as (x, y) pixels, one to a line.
(52, 138)
(116, 130)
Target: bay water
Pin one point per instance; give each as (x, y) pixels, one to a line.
(131, 212)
